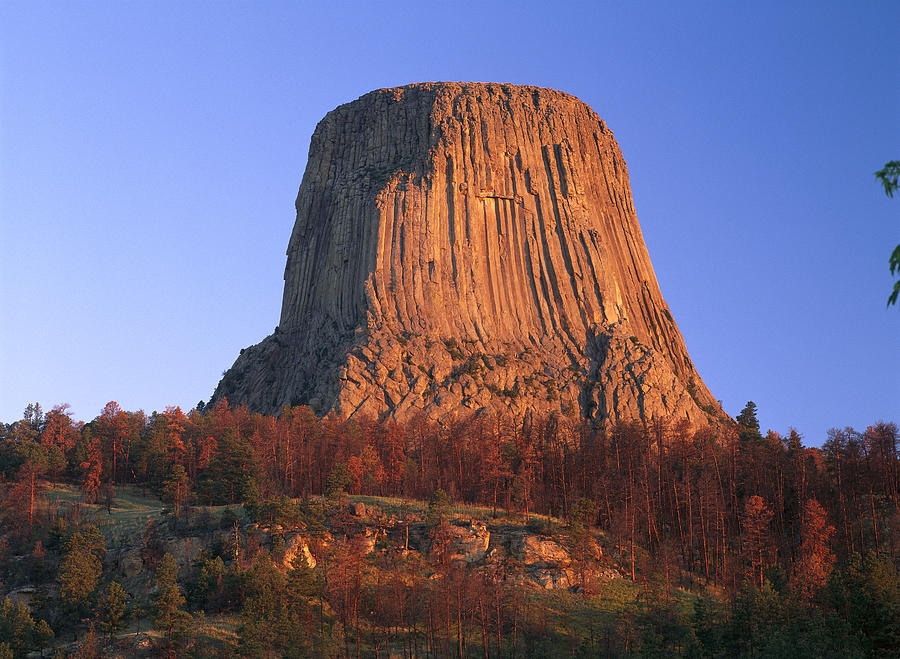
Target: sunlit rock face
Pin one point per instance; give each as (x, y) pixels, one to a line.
(469, 246)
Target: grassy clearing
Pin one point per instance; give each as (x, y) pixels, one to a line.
(219, 630)
(399, 507)
(130, 511)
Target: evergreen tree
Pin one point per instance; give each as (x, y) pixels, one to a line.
(176, 487)
(748, 422)
(35, 463)
(756, 519)
(815, 560)
(337, 483)
(168, 613)
(438, 518)
(438, 508)
(302, 581)
(81, 566)
(263, 613)
(113, 607)
(19, 631)
(230, 476)
(866, 592)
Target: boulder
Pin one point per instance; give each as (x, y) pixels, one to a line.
(295, 546)
(22, 595)
(469, 542)
(185, 550)
(535, 550)
(552, 578)
(131, 563)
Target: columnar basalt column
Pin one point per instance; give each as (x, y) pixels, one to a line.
(462, 246)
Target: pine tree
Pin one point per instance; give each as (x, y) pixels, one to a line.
(176, 487)
(748, 422)
(19, 631)
(35, 463)
(81, 567)
(338, 480)
(814, 564)
(113, 607)
(92, 470)
(168, 613)
(230, 476)
(756, 519)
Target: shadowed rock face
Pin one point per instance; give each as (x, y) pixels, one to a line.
(467, 246)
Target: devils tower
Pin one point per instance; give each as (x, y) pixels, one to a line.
(461, 246)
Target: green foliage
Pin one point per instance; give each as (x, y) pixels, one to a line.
(302, 580)
(283, 511)
(277, 616)
(175, 487)
(113, 607)
(438, 508)
(582, 517)
(43, 634)
(219, 588)
(755, 614)
(866, 592)
(168, 613)
(229, 519)
(19, 631)
(748, 423)
(550, 465)
(230, 476)
(518, 491)
(81, 567)
(452, 346)
(166, 572)
(747, 418)
(472, 366)
(889, 177)
(763, 622)
(208, 591)
(263, 584)
(661, 629)
(313, 518)
(337, 483)
(708, 628)
(895, 270)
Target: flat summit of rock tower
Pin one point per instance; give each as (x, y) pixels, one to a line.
(461, 246)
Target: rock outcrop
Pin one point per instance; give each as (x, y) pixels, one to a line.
(493, 546)
(468, 246)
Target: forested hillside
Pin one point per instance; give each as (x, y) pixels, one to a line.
(220, 531)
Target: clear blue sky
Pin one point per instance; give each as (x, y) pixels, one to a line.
(150, 155)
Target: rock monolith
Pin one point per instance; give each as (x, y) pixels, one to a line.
(462, 247)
